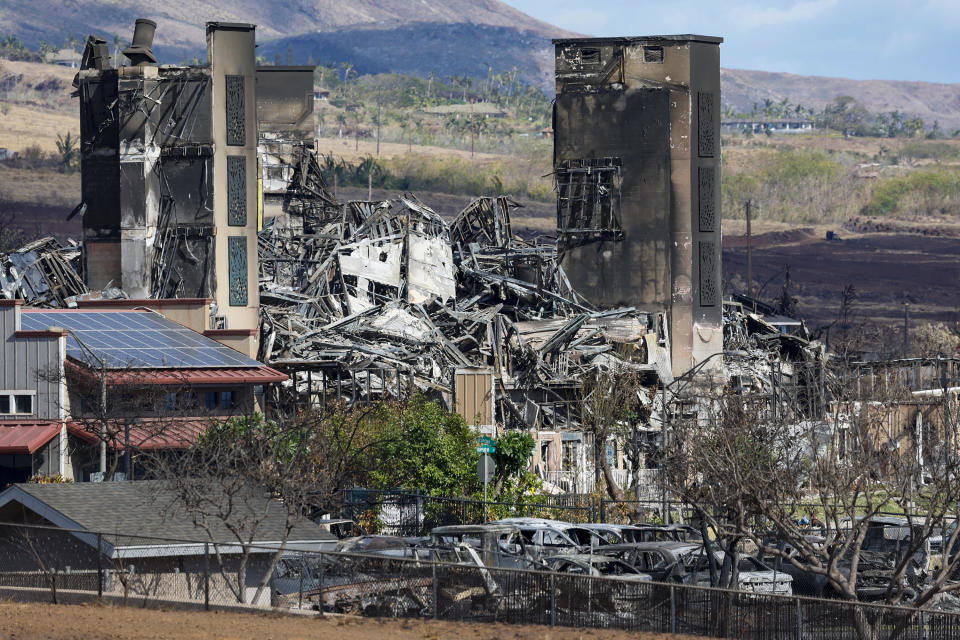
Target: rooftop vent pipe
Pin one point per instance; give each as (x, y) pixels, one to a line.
(140, 52)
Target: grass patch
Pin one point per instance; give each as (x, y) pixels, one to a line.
(924, 192)
(518, 176)
(795, 185)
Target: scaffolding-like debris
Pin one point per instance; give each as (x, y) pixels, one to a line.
(42, 273)
(389, 298)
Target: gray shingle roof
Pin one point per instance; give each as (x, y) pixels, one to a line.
(142, 509)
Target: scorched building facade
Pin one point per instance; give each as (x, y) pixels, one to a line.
(637, 163)
(169, 174)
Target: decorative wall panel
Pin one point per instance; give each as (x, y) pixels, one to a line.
(237, 258)
(236, 111)
(709, 294)
(706, 137)
(237, 191)
(706, 195)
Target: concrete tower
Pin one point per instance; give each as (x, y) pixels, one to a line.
(637, 161)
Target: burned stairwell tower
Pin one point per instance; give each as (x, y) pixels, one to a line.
(637, 164)
(169, 174)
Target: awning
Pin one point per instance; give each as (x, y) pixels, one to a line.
(24, 438)
(150, 434)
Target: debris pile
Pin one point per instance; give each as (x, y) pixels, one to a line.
(42, 273)
(383, 298)
(772, 355)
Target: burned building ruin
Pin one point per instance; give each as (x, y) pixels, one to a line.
(201, 185)
(637, 165)
(169, 174)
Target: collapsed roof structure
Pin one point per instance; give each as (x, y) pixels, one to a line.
(387, 298)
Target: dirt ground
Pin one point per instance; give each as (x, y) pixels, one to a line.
(75, 622)
(886, 270)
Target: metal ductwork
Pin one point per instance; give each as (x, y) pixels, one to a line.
(140, 51)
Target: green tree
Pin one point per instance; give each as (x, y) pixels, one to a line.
(69, 151)
(424, 447)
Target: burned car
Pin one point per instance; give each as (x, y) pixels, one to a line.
(542, 538)
(496, 544)
(752, 574)
(657, 559)
(884, 546)
(617, 595)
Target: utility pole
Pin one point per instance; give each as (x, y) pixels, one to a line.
(378, 122)
(906, 329)
(749, 252)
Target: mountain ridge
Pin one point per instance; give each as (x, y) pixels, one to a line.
(444, 37)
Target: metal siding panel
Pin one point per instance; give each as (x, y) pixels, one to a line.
(20, 360)
(6, 316)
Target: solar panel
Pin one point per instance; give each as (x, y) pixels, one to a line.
(135, 339)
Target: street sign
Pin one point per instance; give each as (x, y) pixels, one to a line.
(486, 444)
(486, 467)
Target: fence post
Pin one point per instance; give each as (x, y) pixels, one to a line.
(603, 510)
(463, 511)
(99, 565)
(799, 620)
(303, 568)
(436, 602)
(553, 600)
(320, 584)
(673, 609)
(206, 576)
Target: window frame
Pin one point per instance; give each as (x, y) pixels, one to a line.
(12, 395)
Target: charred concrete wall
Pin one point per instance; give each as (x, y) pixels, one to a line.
(637, 160)
(285, 118)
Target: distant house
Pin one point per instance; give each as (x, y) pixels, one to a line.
(7, 154)
(164, 384)
(145, 534)
(319, 93)
(763, 125)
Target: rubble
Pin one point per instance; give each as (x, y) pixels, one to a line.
(389, 291)
(42, 273)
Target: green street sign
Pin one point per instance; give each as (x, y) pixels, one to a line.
(486, 444)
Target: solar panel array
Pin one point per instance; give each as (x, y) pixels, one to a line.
(135, 340)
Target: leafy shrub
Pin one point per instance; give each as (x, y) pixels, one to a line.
(929, 192)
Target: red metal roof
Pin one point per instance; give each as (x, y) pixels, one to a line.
(183, 376)
(151, 434)
(19, 438)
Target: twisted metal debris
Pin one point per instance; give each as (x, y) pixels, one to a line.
(384, 298)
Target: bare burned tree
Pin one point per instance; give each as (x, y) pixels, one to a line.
(754, 475)
(119, 411)
(614, 404)
(246, 474)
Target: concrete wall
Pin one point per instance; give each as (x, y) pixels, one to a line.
(230, 49)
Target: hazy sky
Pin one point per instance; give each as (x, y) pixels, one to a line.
(862, 39)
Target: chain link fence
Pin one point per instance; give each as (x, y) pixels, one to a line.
(47, 563)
